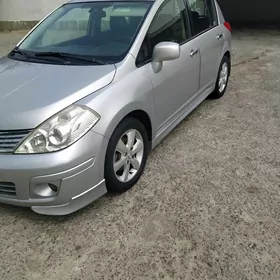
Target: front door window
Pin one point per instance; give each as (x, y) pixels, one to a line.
(169, 24)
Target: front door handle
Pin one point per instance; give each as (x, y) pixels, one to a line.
(193, 53)
(219, 36)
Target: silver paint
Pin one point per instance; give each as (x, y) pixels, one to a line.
(31, 93)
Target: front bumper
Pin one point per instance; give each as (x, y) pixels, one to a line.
(77, 173)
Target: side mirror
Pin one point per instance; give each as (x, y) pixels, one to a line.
(164, 51)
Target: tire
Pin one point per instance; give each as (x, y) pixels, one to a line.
(220, 90)
(124, 167)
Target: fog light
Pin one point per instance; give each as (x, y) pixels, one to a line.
(45, 190)
(53, 187)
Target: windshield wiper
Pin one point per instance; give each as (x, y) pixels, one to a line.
(70, 56)
(19, 51)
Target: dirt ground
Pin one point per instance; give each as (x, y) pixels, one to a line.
(207, 207)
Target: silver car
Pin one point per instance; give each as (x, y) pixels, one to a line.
(94, 87)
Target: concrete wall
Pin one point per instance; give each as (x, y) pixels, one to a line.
(21, 14)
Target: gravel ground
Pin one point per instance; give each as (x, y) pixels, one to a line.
(207, 207)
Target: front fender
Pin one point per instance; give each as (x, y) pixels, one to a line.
(118, 115)
(133, 92)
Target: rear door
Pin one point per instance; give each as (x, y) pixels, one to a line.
(209, 38)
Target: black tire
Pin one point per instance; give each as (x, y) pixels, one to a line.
(112, 182)
(217, 93)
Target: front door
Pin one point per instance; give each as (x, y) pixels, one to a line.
(178, 81)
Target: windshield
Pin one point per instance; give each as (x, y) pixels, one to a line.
(100, 31)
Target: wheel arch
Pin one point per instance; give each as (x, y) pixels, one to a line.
(228, 55)
(130, 110)
(144, 118)
(227, 51)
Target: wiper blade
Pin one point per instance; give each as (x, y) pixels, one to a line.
(56, 54)
(19, 51)
(71, 56)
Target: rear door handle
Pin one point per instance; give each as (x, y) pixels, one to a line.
(219, 36)
(193, 53)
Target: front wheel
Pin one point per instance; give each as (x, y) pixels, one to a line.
(222, 80)
(126, 155)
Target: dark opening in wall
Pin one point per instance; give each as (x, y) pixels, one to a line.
(252, 12)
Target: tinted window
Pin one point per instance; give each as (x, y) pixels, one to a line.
(203, 15)
(169, 24)
(102, 30)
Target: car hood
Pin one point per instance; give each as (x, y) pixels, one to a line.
(30, 93)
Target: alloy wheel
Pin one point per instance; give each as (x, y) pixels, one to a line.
(128, 155)
(223, 78)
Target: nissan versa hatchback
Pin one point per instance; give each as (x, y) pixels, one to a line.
(94, 87)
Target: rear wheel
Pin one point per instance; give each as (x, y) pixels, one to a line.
(222, 80)
(126, 155)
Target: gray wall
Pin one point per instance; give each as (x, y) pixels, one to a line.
(26, 10)
(266, 11)
(24, 14)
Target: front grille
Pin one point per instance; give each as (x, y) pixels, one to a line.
(10, 139)
(8, 189)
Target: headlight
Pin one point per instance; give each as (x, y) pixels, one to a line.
(60, 131)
